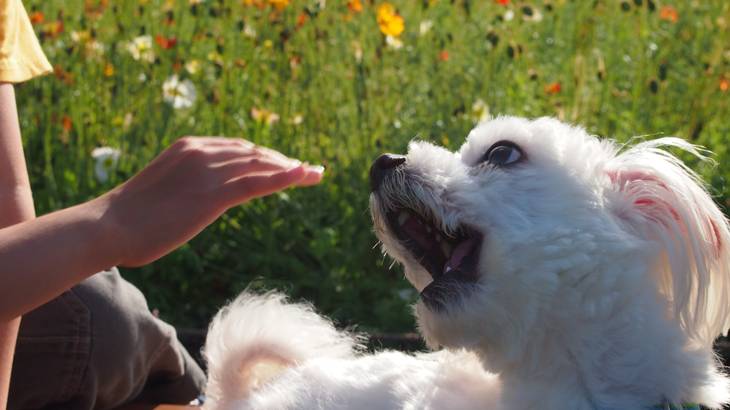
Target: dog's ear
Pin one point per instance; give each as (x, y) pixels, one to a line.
(663, 201)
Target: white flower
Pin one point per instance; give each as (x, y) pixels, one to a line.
(106, 161)
(79, 36)
(297, 119)
(393, 42)
(141, 49)
(509, 15)
(357, 49)
(425, 27)
(479, 111)
(249, 31)
(95, 48)
(179, 94)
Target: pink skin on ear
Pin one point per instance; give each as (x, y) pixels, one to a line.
(643, 185)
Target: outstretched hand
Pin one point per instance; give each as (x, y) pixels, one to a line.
(187, 187)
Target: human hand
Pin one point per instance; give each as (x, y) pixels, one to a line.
(187, 187)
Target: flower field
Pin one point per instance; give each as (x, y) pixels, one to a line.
(337, 83)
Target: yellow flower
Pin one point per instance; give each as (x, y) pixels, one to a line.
(192, 66)
(279, 4)
(264, 116)
(389, 21)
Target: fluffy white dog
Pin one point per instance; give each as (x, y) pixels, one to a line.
(555, 271)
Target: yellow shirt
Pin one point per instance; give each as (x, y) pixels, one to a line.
(21, 56)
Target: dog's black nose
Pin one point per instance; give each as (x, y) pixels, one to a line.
(380, 168)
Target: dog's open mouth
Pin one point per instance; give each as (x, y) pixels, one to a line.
(450, 258)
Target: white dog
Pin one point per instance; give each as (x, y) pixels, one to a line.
(555, 271)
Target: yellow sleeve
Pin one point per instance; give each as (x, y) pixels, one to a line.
(21, 56)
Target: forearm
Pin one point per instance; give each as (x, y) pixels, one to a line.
(16, 205)
(42, 257)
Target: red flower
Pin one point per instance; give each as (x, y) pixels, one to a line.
(502, 2)
(444, 55)
(553, 88)
(165, 42)
(724, 84)
(669, 13)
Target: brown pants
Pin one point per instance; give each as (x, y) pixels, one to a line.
(97, 346)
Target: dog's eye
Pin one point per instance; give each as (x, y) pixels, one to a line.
(503, 153)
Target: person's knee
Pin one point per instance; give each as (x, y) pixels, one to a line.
(129, 343)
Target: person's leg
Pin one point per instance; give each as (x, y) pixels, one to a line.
(97, 346)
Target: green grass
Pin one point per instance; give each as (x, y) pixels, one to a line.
(623, 71)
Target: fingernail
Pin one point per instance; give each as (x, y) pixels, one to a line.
(316, 168)
(295, 163)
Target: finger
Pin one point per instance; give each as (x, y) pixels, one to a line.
(223, 142)
(313, 176)
(248, 187)
(253, 165)
(272, 153)
(219, 154)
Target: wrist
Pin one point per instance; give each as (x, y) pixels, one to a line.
(107, 241)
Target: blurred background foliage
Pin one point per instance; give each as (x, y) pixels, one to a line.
(337, 83)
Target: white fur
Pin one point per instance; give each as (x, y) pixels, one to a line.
(603, 280)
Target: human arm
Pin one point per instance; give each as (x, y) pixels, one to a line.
(179, 193)
(16, 205)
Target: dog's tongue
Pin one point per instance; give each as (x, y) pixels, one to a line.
(459, 253)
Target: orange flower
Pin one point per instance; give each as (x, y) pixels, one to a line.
(63, 75)
(390, 22)
(355, 6)
(553, 88)
(444, 55)
(724, 84)
(301, 19)
(165, 43)
(257, 3)
(669, 13)
(108, 69)
(37, 17)
(66, 123)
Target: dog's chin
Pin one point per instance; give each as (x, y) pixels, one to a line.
(451, 259)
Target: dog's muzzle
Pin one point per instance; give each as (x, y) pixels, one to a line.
(451, 258)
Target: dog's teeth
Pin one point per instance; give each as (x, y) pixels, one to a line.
(403, 217)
